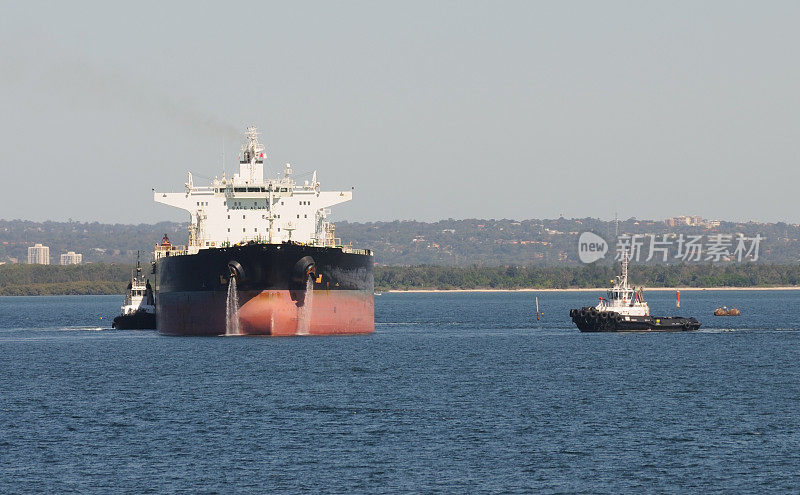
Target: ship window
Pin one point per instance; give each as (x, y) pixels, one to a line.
(229, 217)
(229, 230)
(305, 216)
(283, 189)
(281, 203)
(255, 229)
(243, 217)
(244, 230)
(298, 216)
(279, 229)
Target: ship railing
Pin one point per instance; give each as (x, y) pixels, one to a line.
(162, 251)
(328, 241)
(352, 250)
(258, 239)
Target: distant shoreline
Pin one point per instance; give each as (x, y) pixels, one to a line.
(590, 289)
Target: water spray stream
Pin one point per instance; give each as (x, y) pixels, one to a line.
(304, 311)
(232, 310)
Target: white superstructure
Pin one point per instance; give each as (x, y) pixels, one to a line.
(623, 299)
(139, 296)
(247, 207)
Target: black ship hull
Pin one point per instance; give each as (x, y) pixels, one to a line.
(588, 319)
(281, 289)
(140, 320)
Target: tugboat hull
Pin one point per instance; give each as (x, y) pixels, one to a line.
(141, 320)
(588, 319)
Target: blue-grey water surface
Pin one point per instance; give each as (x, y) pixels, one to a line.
(454, 393)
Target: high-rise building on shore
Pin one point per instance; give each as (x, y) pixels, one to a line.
(71, 258)
(691, 221)
(39, 255)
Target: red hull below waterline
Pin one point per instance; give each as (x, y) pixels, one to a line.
(266, 289)
(275, 312)
(268, 312)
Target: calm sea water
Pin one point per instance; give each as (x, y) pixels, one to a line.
(454, 393)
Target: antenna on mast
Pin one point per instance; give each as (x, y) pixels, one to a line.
(625, 268)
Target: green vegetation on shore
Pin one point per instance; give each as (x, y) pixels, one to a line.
(589, 276)
(459, 243)
(101, 278)
(42, 280)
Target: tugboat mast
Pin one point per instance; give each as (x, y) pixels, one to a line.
(625, 269)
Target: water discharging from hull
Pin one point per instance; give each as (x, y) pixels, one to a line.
(304, 311)
(232, 310)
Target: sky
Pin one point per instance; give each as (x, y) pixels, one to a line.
(429, 110)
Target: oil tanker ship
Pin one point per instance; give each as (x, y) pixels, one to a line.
(262, 259)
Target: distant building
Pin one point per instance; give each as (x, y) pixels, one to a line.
(691, 221)
(71, 258)
(39, 255)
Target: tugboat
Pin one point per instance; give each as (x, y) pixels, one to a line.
(625, 310)
(139, 309)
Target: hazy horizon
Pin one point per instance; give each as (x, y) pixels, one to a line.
(389, 220)
(430, 110)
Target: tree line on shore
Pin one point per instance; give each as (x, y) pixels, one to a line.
(101, 278)
(588, 276)
(42, 280)
(458, 243)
